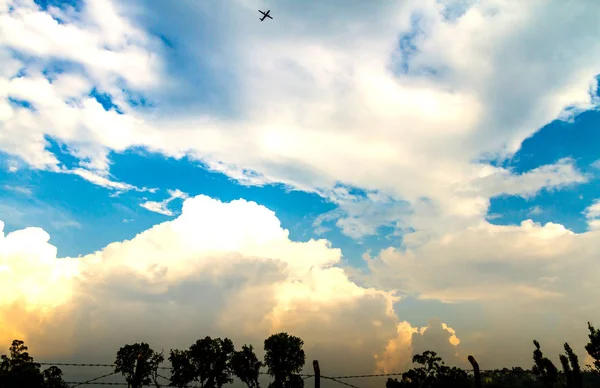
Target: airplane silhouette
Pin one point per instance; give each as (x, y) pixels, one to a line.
(265, 15)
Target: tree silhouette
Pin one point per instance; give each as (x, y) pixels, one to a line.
(543, 367)
(284, 358)
(182, 370)
(138, 363)
(53, 378)
(206, 361)
(571, 368)
(211, 360)
(246, 366)
(18, 370)
(513, 378)
(567, 372)
(432, 374)
(593, 347)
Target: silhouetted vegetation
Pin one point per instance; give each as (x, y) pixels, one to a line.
(246, 366)
(593, 347)
(213, 362)
(543, 367)
(285, 358)
(139, 364)
(431, 374)
(18, 370)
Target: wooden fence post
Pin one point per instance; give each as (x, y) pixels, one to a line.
(476, 372)
(317, 374)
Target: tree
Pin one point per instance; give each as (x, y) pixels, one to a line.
(567, 372)
(593, 347)
(246, 366)
(211, 360)
(432, 374)
(18, 369)
(139, 364)
(513, 378)
(571, 368)
(182, 370)
(53, 378)
(284, 358)
(206, 361)
(543, 367)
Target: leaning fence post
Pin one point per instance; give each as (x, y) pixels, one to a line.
(476, 373)
(317, 374)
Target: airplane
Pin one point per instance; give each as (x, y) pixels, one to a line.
(265, 15)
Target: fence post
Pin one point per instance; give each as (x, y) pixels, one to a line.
(476, 372)
(317, 374)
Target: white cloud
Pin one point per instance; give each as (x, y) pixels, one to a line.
(18, 189)
(331, 111)
(592, 213)
(100, 180)
(498, 181)
(536, 210)
(161, 207)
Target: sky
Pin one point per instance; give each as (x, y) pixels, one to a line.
(377, 178)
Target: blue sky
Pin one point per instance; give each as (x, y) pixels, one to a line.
(415, 140)
(579, 140)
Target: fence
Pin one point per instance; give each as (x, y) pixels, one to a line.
(94, 381)
(317, 376)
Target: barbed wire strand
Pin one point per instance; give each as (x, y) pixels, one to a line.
(89, 365)
(93, 383)
(305, 376)
(370, 375)
(113, 365)
(95, 378)
(338, 381)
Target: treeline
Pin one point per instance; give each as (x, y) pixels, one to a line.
(214, 362)
(432, 373)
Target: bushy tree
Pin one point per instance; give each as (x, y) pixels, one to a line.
(138, 363)
(284, 358)
(53, 378)
(182, 370)
(18, 370)
(211, 360)
(206, 361)
(246, 366)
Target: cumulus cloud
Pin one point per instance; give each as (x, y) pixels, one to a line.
(528, 270)
(592, 213)
(219, 269)
(406, 125)
(436, 336)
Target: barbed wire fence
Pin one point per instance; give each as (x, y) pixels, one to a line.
(317, 375)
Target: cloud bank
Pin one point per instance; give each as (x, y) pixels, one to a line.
(219, 269)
